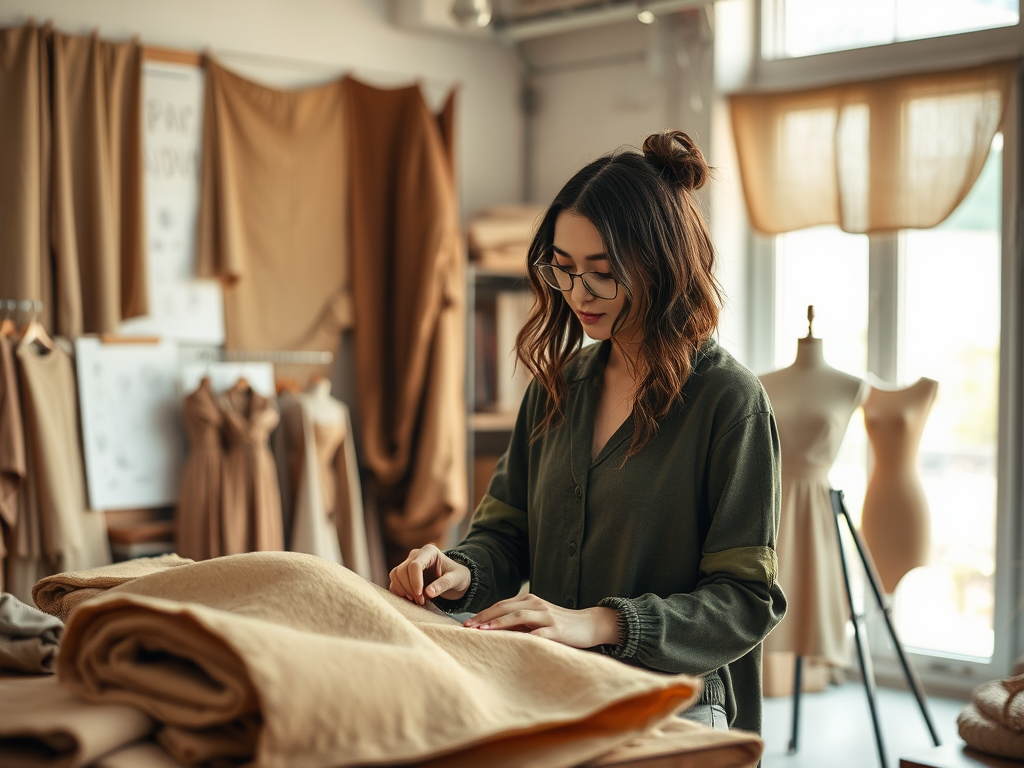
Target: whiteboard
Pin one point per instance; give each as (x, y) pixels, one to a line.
(182, 306)
(132, 437)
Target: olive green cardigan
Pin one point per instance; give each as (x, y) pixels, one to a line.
(680, 539)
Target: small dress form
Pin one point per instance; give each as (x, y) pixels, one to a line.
(894, 522)
(328, 501)
(197, 518)
(813, 403)
(251, 499)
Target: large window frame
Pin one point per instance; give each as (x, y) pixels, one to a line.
(939, 673)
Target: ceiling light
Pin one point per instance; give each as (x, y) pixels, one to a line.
(646, 17)
(472, 13)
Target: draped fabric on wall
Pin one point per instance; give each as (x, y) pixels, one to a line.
(72, 228)
(877, 156)
(408, 301)
(24, 156)
(298, 185)
(272, 220)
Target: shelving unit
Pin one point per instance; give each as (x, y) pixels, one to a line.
(495, 298)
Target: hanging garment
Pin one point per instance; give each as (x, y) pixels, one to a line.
(408, 297)
(12, 448)
(895, 522)
(197, 517)
(98, 223)
(812, 416)
(250, 497)
(298, 661)
(73, 537)
(272, 222)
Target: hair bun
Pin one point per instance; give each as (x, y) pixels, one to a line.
(677, 159)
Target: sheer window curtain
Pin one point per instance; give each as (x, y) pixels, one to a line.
(869, 157)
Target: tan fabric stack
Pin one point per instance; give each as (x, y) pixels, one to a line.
(293, 660)
(499, 237)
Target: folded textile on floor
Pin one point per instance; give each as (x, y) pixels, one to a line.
(680, 743)
(29, 638)
(43, 726)
(59, 594)
(290, 660)
(993, 722)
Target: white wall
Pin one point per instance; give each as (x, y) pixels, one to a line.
(314, 40)
(602, 88)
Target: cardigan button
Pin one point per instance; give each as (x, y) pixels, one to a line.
(579, 492)
(570, 602)
(572, 548)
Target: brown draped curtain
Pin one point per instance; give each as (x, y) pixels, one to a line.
(877, 156)
(273, 213)
(71, 207)
(408, 287)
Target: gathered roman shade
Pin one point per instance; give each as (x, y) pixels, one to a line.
(876, 156)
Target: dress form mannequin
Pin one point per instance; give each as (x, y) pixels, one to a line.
(895, 522)
(813, 403)
(328, 505)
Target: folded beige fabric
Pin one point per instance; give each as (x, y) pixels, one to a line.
(1002, 701)
(681, 743)
(142, 754)
(29, 638)
(42, 724)
(311, 666)
(989, 736)
(61, 593)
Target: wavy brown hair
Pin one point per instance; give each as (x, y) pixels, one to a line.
(660, 251)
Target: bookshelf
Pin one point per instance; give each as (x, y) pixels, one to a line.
(500, 299)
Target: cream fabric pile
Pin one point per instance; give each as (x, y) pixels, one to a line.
(994, 720)
(284, 659)
(289, 660)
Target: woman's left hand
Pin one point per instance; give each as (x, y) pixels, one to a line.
(528, 613)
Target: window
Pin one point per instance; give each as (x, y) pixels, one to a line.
(794, 28)
(946, 326)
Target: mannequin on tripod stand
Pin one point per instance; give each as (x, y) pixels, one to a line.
(813, 404)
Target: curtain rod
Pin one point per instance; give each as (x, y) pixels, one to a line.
(326, 67)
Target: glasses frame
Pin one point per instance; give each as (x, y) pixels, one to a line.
(572, 280)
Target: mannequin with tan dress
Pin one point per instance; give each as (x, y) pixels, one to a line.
(895, 523)
(197, 517)
(813, 403)
(328, 516)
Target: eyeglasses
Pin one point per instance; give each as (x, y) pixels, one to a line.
(600, 285)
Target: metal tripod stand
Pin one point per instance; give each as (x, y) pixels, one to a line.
(840, 511)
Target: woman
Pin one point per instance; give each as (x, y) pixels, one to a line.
(639, 495)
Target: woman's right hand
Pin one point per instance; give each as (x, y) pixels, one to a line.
(429, 573)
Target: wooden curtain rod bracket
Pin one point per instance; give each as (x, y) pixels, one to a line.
(111, 338)
(172, 56)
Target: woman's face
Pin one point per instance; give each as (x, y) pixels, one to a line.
(578, 247)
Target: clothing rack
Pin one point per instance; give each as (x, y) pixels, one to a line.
(283, 357)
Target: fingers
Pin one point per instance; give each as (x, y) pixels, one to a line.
(528, 612)
(407, 578)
